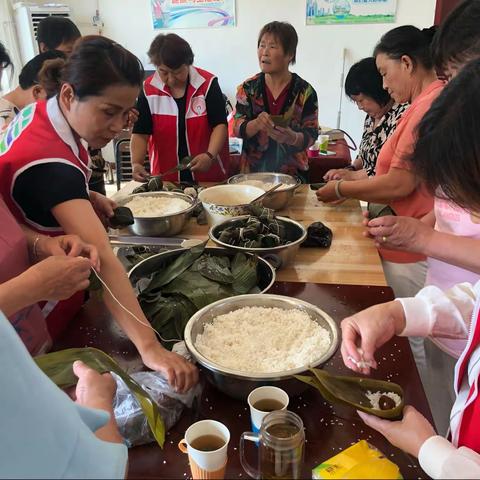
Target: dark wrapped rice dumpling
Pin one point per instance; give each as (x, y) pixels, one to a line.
(122, 217)
(260, 230)
(155, 184)
(318, 235)
(141, 189)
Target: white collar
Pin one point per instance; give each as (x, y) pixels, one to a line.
(196, 80)
(61, 125)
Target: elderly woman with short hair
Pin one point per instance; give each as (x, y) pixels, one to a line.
(364, 86)
(277, 111)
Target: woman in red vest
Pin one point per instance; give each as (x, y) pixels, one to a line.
(441, 316)
(44, 175)
(181, 114)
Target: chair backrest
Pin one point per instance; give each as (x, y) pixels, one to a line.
(123, 164)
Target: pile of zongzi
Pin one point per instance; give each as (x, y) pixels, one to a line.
(193, 280)
(260, 230)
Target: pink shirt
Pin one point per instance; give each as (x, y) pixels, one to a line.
(450, 218)
(29, 322)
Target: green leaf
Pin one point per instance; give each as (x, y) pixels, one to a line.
(214, 268)
(176, 268)
(352, 391)
(244, 271)
(199, 290)
(58, 367)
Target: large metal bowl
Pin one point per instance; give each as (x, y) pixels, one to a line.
(165, 226)
(277, 200)
(265, 272)
(278, 256)
(239, 384)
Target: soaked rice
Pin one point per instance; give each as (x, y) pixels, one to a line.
(263, 340)
(145, 206)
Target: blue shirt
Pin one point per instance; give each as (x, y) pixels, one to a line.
(42, 432)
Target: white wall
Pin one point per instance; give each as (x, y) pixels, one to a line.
(230, 53)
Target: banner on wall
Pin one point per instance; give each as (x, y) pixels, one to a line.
(193, 13)
(324, 12)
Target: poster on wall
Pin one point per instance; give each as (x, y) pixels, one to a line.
(324, 12)
(174, 14)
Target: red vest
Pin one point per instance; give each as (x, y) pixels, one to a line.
(465, 416)
(163, 145)
(39, 134)
(30, 140)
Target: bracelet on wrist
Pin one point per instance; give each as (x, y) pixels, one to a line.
(337, 190)
(210, 155)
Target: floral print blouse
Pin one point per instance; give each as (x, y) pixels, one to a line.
(300, 112)
(374, 137)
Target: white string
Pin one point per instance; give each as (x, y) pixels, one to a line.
(131, 313)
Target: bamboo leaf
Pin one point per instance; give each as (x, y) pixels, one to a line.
(352, 391)
(58, 367)
(176, 268)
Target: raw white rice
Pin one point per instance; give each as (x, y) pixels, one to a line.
(263, 340)
(144, 206)
(264, 185)
(375, 398)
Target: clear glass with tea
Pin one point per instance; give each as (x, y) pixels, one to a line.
(281, 442)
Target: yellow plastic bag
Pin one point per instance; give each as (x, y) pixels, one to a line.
(361, 460)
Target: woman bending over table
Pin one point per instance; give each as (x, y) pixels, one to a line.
(44, 175)
(364, 86)
(277, 111)
(403, 59)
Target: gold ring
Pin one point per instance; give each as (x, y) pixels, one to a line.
(384, 239)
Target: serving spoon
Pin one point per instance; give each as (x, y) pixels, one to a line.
(263, 195)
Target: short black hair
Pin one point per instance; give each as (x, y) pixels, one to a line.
(447, 152)
(410, 41)
(170, 50)
(96, 63)
(363, 77)
(53, 31)
(5, 61)
(285, 34)
(458, 38)
(29, 75)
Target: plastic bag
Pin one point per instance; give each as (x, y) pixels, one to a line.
(130, 419)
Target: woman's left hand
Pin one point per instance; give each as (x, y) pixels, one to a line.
(327, 193)
(180, 373)
(102, 205)
(70, 245)
(408, 434)
(283, 135)
(201, 163)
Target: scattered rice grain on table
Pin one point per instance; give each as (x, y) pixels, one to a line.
(144, 206)
(263, 340)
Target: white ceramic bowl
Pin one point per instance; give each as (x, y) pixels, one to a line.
(227, 201)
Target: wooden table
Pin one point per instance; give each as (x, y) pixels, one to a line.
(319, 165)
(351, 260)
(328, 429)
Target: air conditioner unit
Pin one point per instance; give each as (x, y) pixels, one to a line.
(27, 18)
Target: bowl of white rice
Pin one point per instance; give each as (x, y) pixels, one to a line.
(277, 200)
(159, 214)
(251, 340)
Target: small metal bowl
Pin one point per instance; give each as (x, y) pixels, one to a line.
(265, 272)
(239, 384)
(277, 200)
(165, 226)
(278, 256)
